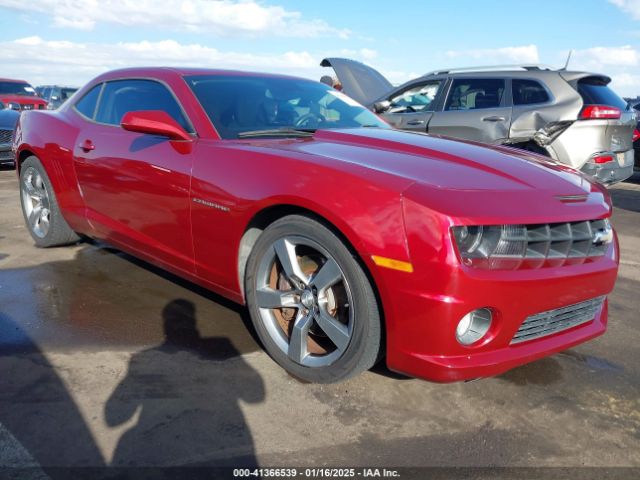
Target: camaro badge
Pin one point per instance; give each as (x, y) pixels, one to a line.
(211, 204)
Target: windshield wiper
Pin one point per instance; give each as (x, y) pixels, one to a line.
(278, 132)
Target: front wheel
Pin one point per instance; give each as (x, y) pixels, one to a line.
(40, 207)
(311, 303)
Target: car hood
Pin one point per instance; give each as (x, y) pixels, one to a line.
(361, 82)
(525, 187)
(21, 99)
(441, 162)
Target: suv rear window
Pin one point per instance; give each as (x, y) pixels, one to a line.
(528, 92)
(594, 91)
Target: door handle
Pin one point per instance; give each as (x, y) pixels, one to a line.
(87, 146)
(415, 122)
(494, 119)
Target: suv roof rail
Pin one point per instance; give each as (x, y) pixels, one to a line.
(523, 66)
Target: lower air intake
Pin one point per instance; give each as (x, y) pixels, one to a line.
(554, 321)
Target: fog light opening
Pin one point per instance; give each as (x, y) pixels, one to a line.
(473, 326)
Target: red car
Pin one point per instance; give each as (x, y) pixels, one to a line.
(347, 240)
(19, 95)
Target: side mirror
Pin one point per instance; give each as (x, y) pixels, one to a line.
(154, 122)
(381, 107)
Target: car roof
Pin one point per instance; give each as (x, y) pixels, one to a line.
(183, 71)
(12, 80)
(532, 73)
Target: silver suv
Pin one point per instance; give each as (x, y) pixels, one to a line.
(572, 117)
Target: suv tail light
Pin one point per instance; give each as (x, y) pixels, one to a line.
(593, 112)
(636, 135)
(603, 158)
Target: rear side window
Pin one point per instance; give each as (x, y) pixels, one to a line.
(594, 91)
(528, 92)
(87, 104)
(475, 93)
(122, 96)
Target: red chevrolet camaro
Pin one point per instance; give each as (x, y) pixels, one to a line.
(347, 240)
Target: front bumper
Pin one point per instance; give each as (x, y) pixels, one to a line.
(421, 324)
(611, 172)
(6, 155)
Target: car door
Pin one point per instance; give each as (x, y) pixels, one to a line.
(476, 109)
(136, 186)
(412, 107)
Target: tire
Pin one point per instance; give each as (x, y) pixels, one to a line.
(40, 207)
(311, 303)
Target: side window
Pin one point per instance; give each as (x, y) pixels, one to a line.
(122, 96)
(475, 93)
(45, 93)
(528, 92)
(87, 104)
(416, 99)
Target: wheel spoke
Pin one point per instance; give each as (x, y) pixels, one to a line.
(34, 216)
(269, 298)
(298, 341)
(336, 331)
(286, 252)
(39, 184)
(328, 275)
(31, 190)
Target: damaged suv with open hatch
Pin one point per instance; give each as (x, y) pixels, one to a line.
(572, 117)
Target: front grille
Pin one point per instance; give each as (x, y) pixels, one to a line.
(5, 136)
(554, 240)
(553, 321)
(6, 155)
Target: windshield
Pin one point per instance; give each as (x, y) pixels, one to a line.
(17, 88)
(247, 103)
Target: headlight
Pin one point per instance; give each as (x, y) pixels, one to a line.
(511, 246)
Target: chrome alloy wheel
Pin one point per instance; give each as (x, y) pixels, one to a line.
(304, 301)
(35, 201)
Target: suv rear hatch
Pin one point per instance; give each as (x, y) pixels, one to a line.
(621, 119)
(600, 141)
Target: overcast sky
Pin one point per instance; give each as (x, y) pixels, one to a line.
(71, 41)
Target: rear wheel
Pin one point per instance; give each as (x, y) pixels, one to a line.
(40, 207)
(312, 305)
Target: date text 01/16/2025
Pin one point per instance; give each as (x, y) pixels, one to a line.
(316, 473)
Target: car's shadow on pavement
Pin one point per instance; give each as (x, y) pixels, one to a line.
(40, 423)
